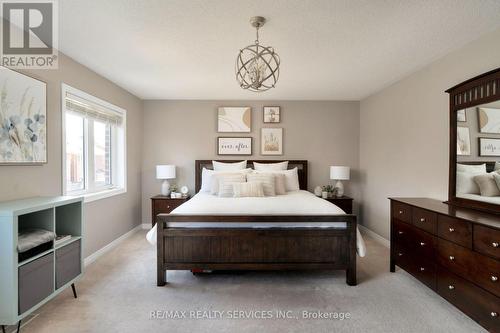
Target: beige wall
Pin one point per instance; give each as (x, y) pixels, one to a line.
(404, 131)
(106, 219)
(179, 132)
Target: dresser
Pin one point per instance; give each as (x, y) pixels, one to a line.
(454, 251)
(161, 204)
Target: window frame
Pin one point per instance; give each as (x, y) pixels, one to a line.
(118, 154)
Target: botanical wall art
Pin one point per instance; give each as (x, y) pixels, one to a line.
(272, 114)
(234, 146)
(489, 120)
(234, 119)
(463, 141)
(272, 141)
(23, 119)
(489, 147)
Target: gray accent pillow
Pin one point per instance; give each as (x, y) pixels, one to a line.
(30, 238)
(487, 184)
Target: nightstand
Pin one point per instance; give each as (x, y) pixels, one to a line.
(161, 204)
(344, 202)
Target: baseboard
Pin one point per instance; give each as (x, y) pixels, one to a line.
(146, 226)
(94, 256)
(379, 239)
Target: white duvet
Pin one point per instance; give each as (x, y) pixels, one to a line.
(293, 203)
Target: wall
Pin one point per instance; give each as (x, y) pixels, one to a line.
(180, 132)
(404, 131)
(106, 219)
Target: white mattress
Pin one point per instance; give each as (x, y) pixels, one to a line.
(477, 197)
(293, 203)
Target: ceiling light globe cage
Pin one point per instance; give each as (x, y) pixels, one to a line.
(257, 68)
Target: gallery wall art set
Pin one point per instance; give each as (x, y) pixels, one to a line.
(238, 120)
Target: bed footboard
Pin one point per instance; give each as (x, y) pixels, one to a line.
(256, 249)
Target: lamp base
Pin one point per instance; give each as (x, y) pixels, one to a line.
(165, 188)
(339, 189)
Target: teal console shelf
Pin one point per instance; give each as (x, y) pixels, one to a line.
(27, 284)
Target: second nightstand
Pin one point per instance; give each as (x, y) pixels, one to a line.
(344, 202)
(161, 204)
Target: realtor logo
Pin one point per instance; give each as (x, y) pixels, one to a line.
(29, 34)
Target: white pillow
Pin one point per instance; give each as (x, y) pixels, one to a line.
(270, 166)
(207, 174)
(466, 183)
(222, 166)
(226, 188)
(497, 166)
(249, 189)
(291, 179)
(267, 180)
(217, 179)
(479, 168)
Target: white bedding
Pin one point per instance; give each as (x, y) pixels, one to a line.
(293, 203)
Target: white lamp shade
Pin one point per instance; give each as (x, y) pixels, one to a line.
(165, 171)
(340, 172)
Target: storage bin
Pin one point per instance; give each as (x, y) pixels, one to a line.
(68, 264)
(36, 281)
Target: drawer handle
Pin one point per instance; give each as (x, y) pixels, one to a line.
(401, 212)
(494, 244)
(422, 269)
(400, 232)
(494, 314)
(452, 258)
(168, 207)
(400, 254)
(451, 287)
(422, 219)
(451, 229)
(422, 244)
(494, 278)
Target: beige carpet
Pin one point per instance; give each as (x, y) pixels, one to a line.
(118, 293)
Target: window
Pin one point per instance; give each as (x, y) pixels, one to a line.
(94, 146)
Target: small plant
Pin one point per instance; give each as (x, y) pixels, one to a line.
(173, 188)
(328, 188)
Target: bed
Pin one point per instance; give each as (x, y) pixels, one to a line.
(288, 232)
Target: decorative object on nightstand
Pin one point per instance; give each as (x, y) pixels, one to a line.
(343, 202)
(317, 191)
(339, 173)
(165, 172)
(329, 190)
(184, 191)
(161, 204)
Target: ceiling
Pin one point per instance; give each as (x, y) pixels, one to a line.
(330, 49)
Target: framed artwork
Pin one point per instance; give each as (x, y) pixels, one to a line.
(463, 141)
(271, 141)
(489, 120)
(462, 116)
(23, 119)
(489, 147)
(234, 119)
(272, 114)
(234, 146)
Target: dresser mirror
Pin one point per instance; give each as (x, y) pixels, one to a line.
(474, 180)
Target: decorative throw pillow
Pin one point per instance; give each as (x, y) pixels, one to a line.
(270, 166)
(226, 189)
(222, 166)
(239, 177)
(479, 168)
(466, 183)
(497, 166)
(487, 185)
(248, 189)
(291, 178)
(207, 175)
(279, 183)
(267, 180)
(496, 177)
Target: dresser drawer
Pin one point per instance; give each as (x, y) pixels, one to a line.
(487, 241)
(403, 232)
(166, 206)
(425, 220)
(403, 257)
(401, 211)
(425, 271)
(424, 244)
(474, 301)
(472, 266)
(454, 230)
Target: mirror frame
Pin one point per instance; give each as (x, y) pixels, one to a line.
(481, 89)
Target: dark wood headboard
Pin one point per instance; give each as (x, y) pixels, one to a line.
(301, 166)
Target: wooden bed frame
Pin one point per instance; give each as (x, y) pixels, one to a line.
(256, 249)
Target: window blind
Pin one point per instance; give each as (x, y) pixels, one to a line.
(92, 110)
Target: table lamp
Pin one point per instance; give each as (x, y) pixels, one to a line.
(339, 173)
(165, 172)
